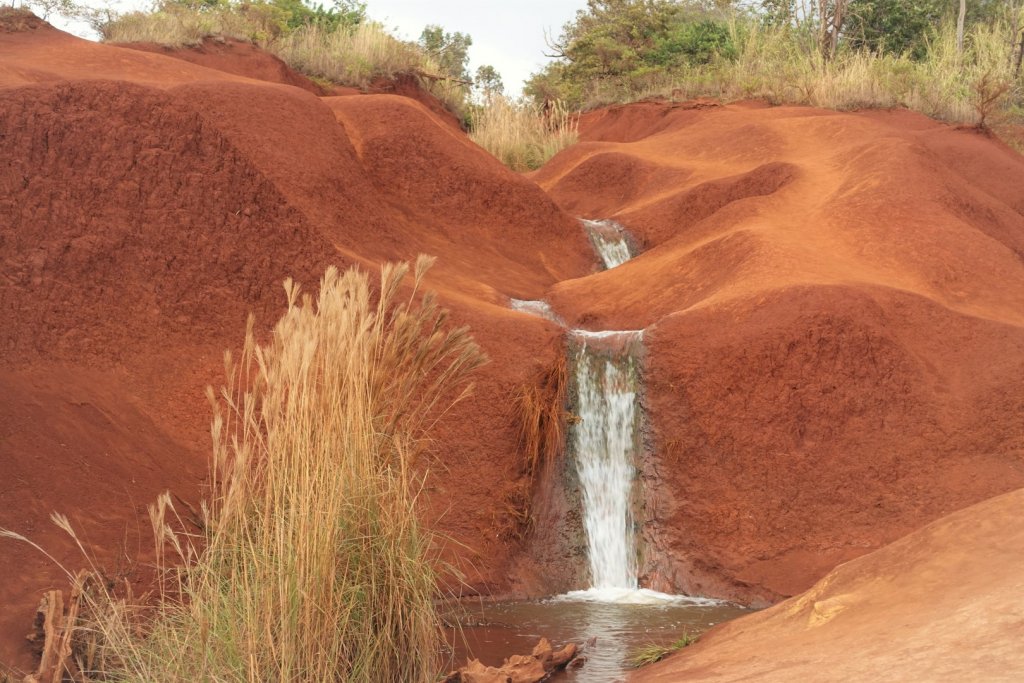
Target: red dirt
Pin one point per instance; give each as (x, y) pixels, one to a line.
(234, 57)
(942, 604)
(246, 59)
(408, 86)
(148, 205)
(834, 304)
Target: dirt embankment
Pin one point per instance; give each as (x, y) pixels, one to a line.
(834, 305)
(942, 604)
(245, 59)
(234, 57)
(835, 315)
(148, 204)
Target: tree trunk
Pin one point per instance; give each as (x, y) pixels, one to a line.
(830, 23)
(838, 17)
(960, 27)
(1020, 55)
(823, 27)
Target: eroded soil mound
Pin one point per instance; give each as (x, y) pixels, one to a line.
(250, 61)
(148, 205)
(234, 57)
(835, 315)
(834, 305)
(952, 587)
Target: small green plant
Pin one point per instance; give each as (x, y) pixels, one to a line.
(652, 652)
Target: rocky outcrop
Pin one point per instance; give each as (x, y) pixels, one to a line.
(532, 668)
(941, 604)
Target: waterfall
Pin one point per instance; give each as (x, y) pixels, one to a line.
(536, 307)
(606, 375)
(605, 441)
(610, 241)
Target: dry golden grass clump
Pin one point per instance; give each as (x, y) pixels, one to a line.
(350, 55)
(173, 26)
(539, 412)
(312, 564)
(521, 135)
(781, 65)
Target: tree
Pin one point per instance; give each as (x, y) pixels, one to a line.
(48, 7)
(450, 50)
(893, 26)
(960, 27)
(304, 12)
(488, 82)
(831, 15)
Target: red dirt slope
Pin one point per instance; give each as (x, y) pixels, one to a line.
(953, 588)
(148, 205)
(234, 57)
(834, 305)
(249, 60)
(835, 314)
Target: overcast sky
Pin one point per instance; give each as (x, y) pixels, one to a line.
(509, 35)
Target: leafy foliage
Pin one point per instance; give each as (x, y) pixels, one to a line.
(832, 53)
(625, 40)
(894, 26)
(488, 82)
(449, 50)
(290, 14)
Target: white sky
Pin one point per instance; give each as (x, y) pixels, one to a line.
(507, 35)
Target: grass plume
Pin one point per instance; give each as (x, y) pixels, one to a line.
(311, 563)
(521, 135)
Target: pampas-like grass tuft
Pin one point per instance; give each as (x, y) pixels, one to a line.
(311, 564)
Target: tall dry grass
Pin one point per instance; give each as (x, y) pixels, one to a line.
(312, 564)
(353, 56)
(784, 66)
(523, 136)
(360, 54)
(183, 26)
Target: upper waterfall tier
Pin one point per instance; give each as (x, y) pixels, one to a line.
(610, 240)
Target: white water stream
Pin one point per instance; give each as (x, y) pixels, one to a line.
(605, 368)
(605, 442)
(609, 240)
(536, 307)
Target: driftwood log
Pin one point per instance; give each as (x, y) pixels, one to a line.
(53, 632)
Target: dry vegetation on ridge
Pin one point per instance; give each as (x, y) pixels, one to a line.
(676, 50)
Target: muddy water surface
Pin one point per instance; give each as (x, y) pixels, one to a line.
(492, 632)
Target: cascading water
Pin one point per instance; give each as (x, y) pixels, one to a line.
(605, 441)
(536, 307)
(610, 241)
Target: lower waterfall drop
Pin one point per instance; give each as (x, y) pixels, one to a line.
(605, 442)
